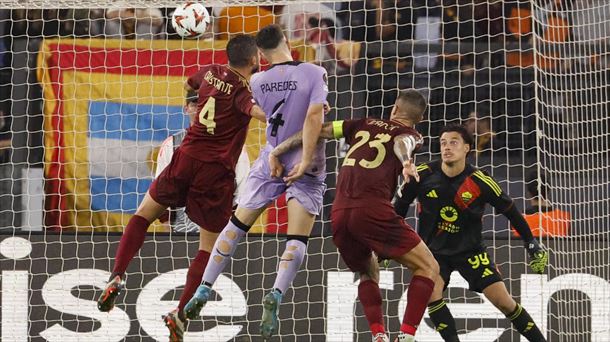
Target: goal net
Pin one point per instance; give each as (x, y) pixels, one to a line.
(89, 90)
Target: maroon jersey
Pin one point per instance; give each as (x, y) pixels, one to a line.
(224, 105)
(370, 171)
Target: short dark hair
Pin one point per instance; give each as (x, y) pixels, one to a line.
(532, 184)
(415, 103)
(192, 96)
(240, 50)
(461, 130)
(269, 37)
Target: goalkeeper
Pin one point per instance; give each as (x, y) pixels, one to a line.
(452, 196)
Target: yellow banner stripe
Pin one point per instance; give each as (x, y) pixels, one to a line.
(489, 181)
(338, 129)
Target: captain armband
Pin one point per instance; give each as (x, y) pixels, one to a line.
(338, 129)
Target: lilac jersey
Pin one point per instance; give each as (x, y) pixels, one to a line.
(285, 91)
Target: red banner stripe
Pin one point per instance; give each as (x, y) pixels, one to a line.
(132, 61)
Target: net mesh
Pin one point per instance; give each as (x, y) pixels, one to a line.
(89, 93)
(572, 106)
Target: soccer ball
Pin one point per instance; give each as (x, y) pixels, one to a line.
(190, 20)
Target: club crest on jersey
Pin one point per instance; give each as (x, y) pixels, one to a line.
(466, 196)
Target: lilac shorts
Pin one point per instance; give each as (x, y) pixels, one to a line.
(260, 188)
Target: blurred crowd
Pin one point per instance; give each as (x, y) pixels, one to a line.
(450, 39)
(334, 25)
(456, 48)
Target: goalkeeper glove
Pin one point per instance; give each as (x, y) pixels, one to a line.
(539, 257)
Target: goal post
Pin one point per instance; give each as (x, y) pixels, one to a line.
(84, 115)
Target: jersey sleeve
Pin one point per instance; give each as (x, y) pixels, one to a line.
(164, 157)
(319, 86)
(254, 87)
(492, 192)
(194, 81)
(243, 100)
(347, 129)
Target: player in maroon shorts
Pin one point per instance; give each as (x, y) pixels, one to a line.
(201, 175)
(363, 218)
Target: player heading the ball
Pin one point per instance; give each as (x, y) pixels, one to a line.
(201, 175)
(293, 96)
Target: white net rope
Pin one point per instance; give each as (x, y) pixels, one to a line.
(572, 103)
(90, 92)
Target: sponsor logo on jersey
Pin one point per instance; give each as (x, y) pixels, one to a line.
(432, 194)
(449, 213)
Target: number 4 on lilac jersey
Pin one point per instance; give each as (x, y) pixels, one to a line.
(284, 92)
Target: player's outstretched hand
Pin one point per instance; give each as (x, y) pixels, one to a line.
(297, 172)
(275, 166)
(539, 257)
(410, 170)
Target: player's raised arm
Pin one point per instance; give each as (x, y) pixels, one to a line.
(404, 147)
(505, 205)
(296, 140)
(539, 257)
(311, 132)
